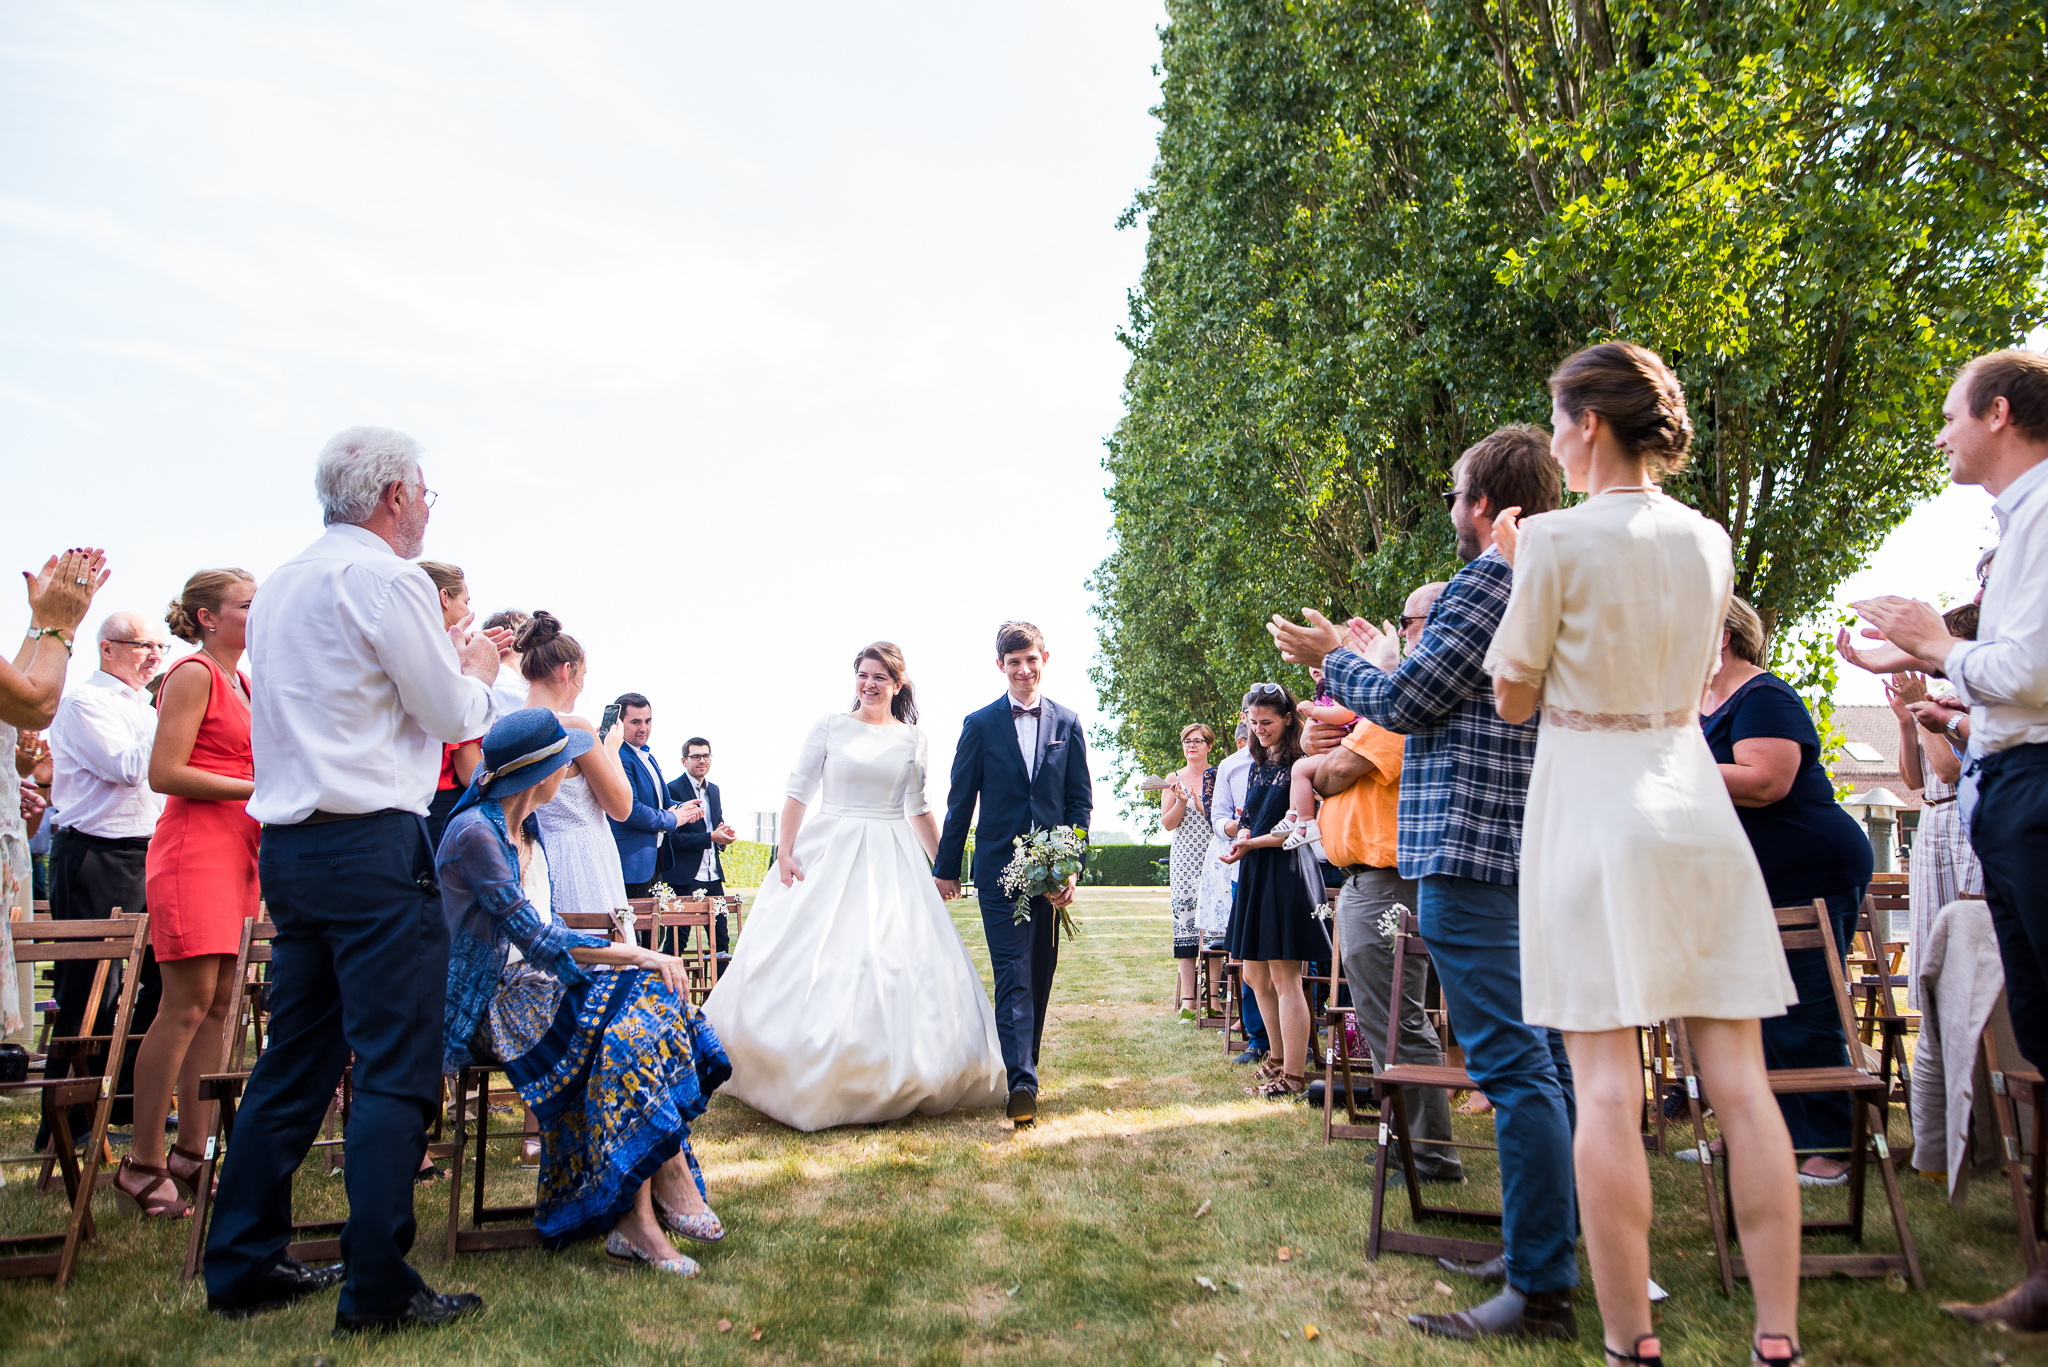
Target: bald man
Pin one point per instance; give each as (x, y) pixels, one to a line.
(105, 811)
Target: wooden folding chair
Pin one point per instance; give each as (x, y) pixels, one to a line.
(1388, 1079)
(697, 955)
(471, 1129)
(1809, 927)
(1211, 988)
(2010, 1087)
(1877, 978)
(122, 940)
(1339, 1074)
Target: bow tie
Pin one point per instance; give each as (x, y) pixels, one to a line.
(1032, 712)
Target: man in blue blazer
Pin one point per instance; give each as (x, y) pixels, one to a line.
(699, 846)
(643, 835)
(1024, 759)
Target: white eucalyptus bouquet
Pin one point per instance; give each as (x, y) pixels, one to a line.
(1043, 863)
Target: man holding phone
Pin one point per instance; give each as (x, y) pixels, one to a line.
(642, 837)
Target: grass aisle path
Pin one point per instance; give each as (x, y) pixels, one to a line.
(955, 1240)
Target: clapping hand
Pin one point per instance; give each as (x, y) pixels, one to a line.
(30, 751)
(33, 803)
(1913, 633)
(475, 651)
(1904, 689)
(724, 835)
(1934, 714)
(60, 595)
(1305, 645)
(686, 812)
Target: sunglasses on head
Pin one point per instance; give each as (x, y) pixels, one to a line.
(1263, 690)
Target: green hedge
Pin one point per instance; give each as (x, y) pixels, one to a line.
(746, 864)
(1127, 866)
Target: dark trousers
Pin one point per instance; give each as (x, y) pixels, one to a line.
(359, 966)
(1254, 1024)
(1809, 1035)
(89, 877)
(1023, 957)
(713, 888)
(2010, 835)
(439, 810)
(1474, 932)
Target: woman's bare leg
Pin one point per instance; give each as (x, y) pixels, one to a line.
(641, 1229)
(175, 1051)
(1290, 1011)
(1762, 1173)
(677, 1187)
(1184, 998)
(1258, 980)
(1613, 1178)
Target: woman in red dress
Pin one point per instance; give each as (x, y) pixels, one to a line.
(458, 762)
(202, 882)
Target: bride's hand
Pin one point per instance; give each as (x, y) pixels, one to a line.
(788, 868)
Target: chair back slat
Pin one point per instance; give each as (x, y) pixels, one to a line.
(1821, 937)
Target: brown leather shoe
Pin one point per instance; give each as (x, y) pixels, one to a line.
(1511, 1314)
(2025, 1307)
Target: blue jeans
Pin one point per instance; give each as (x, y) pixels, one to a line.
(1255, 1025)
(359, 967)
(1474, 932)
(1809, 1035)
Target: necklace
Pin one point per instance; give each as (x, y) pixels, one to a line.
(234, 681)
(1628, 489)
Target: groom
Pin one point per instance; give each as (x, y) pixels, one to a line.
(1024, 758)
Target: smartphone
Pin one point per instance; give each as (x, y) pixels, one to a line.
(610, 719)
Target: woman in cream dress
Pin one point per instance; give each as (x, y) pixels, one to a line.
(851, 1000)
(1640, 897)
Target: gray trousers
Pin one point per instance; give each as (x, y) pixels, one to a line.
(1369, 970)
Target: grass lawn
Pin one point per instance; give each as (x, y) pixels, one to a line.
(956, 1240)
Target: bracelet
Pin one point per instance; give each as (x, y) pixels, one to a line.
(38, 633)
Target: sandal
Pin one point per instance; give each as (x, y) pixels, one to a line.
(185, 1167)
(146, 1203)
(1280, 1088)
(1648, 1353)
(620, 1255)
(701, 1228)
(1305, 833)
(1791, 1356)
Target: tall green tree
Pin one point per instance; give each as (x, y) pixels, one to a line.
(1375, 227)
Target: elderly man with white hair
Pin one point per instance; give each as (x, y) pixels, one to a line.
(106, 811)
(357, 687)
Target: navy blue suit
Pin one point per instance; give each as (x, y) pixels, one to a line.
(641, 856)
(687, 848)
(989, 767)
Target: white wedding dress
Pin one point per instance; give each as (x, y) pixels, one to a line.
(850, 998)
(584, 874)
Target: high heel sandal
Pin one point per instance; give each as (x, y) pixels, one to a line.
(1792, 1356)
(185, 1167)
(620, 1255)
(146, 1204)
(1647, 1353)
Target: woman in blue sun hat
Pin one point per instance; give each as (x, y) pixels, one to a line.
(615, 1062)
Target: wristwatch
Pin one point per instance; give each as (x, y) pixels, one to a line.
(1955, 725)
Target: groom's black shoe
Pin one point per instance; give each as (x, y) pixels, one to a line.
(1023, 1106)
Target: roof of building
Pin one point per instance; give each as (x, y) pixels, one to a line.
(1870, 755)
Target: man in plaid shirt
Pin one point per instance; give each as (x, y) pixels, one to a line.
(1464, 781)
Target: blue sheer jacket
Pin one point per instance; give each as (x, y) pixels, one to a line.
(487, 913)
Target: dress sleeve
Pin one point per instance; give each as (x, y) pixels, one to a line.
(809, 774)
(1774, 713)
(915, 803)
(1522, 644)
(497, 892)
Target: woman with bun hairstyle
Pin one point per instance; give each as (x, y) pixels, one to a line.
(201, 883)
(1640, 897)
(458, 762)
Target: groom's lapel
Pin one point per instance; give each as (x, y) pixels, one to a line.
(1006, 728)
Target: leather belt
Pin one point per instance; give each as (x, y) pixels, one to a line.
(319, 818)
(1937, 801)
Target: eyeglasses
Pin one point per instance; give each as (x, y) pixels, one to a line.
(146, 647)
(428, 496)
(1450, 499)
(1406, 618)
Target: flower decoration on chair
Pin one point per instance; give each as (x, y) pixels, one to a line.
(1043, 863)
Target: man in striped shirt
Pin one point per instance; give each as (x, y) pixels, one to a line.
(1464, 781)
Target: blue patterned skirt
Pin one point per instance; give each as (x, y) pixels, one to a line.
(615, 1078)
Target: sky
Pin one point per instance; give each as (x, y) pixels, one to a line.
(736, 336)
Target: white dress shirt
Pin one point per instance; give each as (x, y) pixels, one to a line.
(356, 683)
(99, 756)
(2003, 674)
(1233, 782)
(509, 688)
(1027, 731)
(707, 867)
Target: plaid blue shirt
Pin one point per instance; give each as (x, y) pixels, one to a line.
(1464, 771)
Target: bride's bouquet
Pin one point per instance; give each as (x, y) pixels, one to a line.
(1044, 861)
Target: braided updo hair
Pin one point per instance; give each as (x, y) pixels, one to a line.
(544, 647)
(205, 590)
(1632, 388)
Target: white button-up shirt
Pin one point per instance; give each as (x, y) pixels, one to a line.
(707, 867)
(1233, 782)
(1027, 731)
(99, 757)
(2003, 674)
(356, 684)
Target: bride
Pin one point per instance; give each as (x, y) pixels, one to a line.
(851, 1000)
